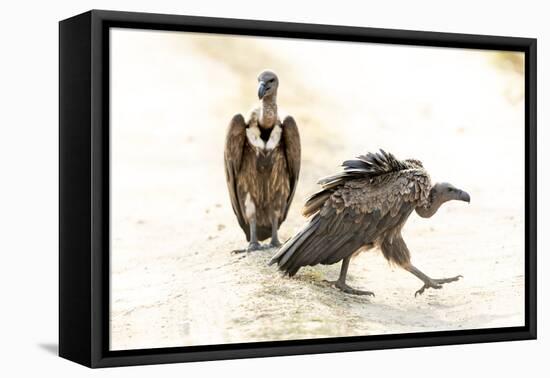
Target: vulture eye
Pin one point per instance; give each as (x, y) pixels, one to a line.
(271, 81)
(449, 189)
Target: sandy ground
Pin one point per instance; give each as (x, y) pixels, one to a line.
(174, 281)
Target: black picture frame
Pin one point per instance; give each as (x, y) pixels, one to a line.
(84, 187)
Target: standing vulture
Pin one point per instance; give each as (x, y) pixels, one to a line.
(366, 206)
(262, 163)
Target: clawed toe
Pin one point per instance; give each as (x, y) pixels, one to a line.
(429, 285)
(436, 284)
(447, 280)
(348, 289)
(254, 246)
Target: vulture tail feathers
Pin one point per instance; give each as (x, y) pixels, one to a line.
(293, 245)
(262, 233)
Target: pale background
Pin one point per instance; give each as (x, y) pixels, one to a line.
(29, 193)
(173, 279)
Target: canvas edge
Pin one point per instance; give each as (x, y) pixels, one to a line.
(75, 333)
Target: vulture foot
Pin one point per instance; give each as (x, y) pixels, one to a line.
(436, 283)
(253, 246)
(348, 289)
(274, 244)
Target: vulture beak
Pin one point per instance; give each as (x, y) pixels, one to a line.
(261, 90)
(463, 196)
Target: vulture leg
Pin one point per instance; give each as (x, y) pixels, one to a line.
(429, 283)
(340, 283)
(275, 243)
(254, 245)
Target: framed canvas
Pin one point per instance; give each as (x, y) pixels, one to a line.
(237, 188)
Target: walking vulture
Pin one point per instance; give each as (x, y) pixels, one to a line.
(366, 206)
(262, 163)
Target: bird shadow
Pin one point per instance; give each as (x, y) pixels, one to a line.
(51, 348)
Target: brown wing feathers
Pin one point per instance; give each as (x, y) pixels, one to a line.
(364, 166)
(370, 196)
(292, 149)
(233, 152)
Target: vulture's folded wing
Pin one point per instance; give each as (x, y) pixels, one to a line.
(356, 214)
(292, 149)
(233, 152)
(366, 166)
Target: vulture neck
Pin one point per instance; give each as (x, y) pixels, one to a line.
(429, 209)
(268, 111)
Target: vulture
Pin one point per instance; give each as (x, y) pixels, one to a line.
(262, 164)
(366, 206)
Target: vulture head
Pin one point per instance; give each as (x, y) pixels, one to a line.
(267, 84)
(440, 193)
(443, 192)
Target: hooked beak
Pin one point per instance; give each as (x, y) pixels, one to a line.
(463, 196)
(261, 90)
